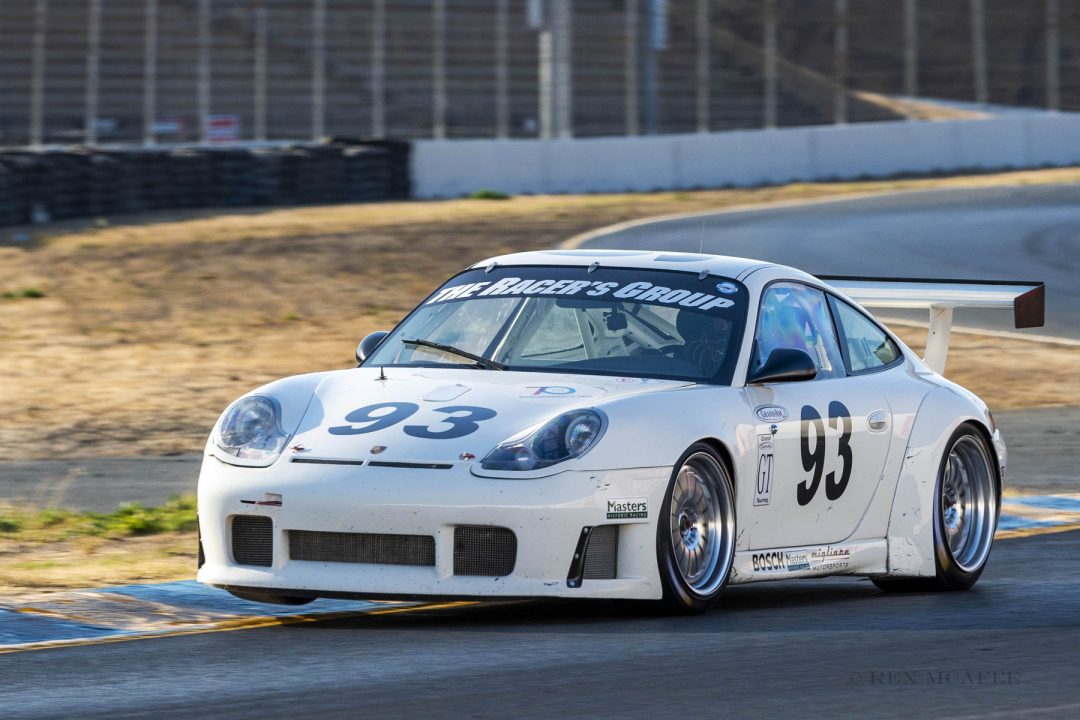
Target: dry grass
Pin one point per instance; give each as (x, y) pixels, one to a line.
(147, 329)
(1008, 374)
(95, 562)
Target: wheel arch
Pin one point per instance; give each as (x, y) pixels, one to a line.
(988, 436)
(910, 532)
(725, 455)
(680, 594)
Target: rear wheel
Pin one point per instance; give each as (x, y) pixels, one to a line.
(965, 516)
(270, 598)
(695, 540)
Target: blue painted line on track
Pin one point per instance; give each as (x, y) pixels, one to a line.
(17, 628)
(1064, 503)
(1015, 522)
(145, 610)
(191, 595)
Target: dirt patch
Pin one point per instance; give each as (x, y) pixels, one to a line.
(147, 330)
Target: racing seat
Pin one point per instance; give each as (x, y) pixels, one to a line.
(705, 340)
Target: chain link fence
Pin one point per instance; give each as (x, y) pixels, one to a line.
(151, 72)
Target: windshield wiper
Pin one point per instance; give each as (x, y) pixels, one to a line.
(480, 360)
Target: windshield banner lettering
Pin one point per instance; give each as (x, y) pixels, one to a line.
(638, 291)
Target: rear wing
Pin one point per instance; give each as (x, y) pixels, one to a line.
(1027, 300)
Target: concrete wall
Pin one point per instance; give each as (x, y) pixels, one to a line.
(752, 157)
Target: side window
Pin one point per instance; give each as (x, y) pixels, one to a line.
(797, 316)
(868, 347)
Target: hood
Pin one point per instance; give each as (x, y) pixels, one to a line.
(435, 415)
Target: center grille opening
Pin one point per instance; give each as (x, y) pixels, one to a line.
(484, 551)
(253, 540)
(364, 548)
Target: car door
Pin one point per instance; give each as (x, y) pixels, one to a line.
(823, 441)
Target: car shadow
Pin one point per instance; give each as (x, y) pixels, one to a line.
(741, 608)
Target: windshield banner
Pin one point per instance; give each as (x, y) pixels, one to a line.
(713, 295)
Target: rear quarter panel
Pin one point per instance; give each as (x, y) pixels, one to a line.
(911, 518)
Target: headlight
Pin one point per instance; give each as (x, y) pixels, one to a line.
(251, 431)
(567, 436)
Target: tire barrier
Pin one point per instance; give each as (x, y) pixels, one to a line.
(39, 187)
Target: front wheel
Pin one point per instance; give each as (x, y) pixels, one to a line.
(966, 502)
(695, 540)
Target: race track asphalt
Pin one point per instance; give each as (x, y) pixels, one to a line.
(999, 233)
(830, 648)
(824, 648)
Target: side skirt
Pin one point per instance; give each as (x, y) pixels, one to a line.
(863, 557)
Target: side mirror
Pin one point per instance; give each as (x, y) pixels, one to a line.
(368, 345)
(784, 365)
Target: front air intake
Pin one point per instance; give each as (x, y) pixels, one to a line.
(253, 540)
(484, 551)
(602, 553)
(363, 548)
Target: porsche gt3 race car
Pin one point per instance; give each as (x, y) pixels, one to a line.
(616, 424)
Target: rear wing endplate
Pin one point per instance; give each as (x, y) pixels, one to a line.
(1027, 300)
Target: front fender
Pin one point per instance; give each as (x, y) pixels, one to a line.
(654, 429)
(293, 395)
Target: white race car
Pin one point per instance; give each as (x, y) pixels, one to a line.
(615, 424)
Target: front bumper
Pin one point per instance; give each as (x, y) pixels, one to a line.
(547, 516)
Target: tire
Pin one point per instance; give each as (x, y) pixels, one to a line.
(967, 500)
(269, 598)
(695, 538)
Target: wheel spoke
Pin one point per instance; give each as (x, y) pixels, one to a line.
(680, 558)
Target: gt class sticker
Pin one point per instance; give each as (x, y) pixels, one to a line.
(627, 508)
(763, 487)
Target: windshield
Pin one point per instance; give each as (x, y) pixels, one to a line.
(612, 321)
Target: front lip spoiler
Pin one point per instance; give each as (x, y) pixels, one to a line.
(337, 595)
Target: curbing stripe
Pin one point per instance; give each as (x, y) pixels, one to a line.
(1033, 531)
(222, 626)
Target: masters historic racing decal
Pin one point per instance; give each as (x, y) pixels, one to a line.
(627, 508)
